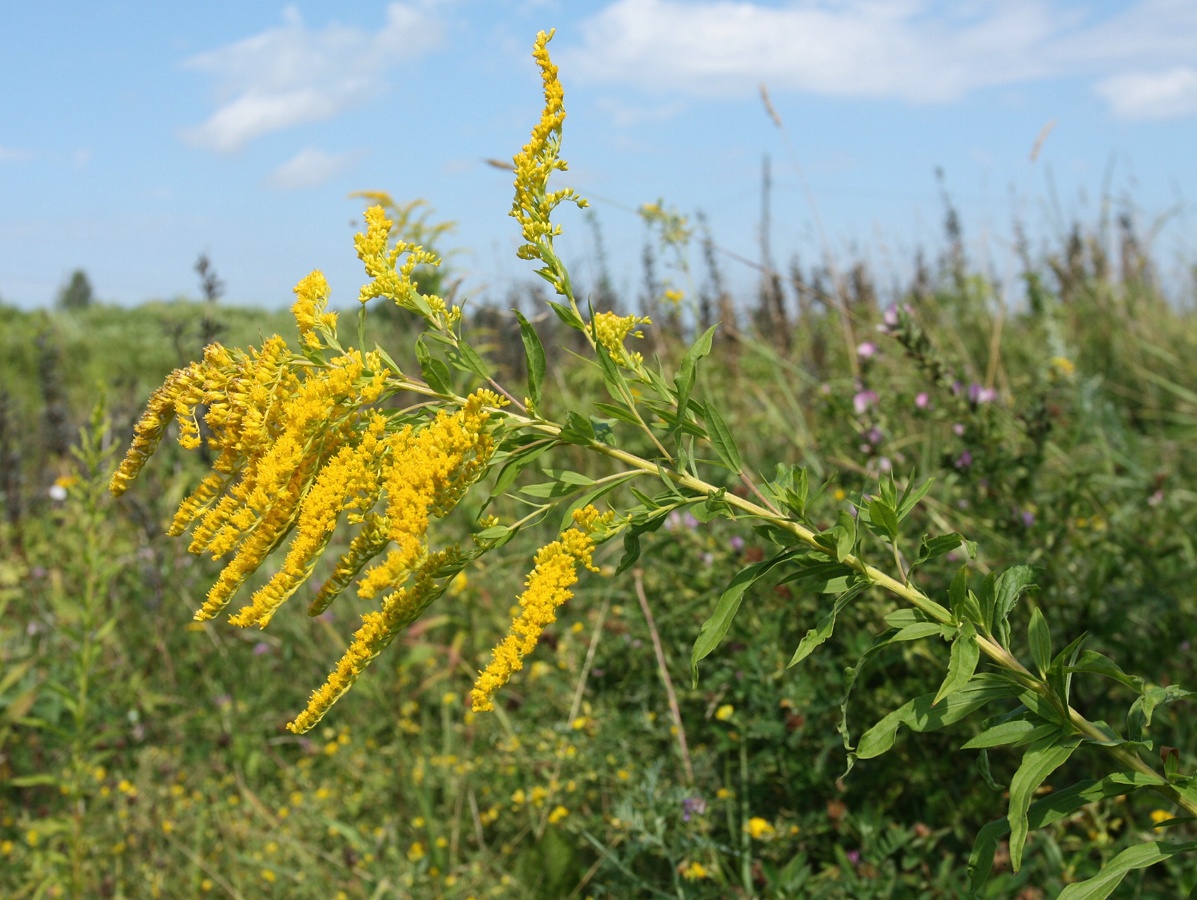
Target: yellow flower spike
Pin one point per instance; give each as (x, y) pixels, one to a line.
(426, 474)
(547, 587)
(534, 203)
(148, 432)
(311, 298)
(378, 629)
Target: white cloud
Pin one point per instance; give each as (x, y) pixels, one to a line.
(292, 75)
(1152, 95)
(309, 168)
(920, 51)
(13, 154)
(878, 48)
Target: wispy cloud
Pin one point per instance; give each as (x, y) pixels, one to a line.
(920, 51)
(309, 168)
(13, 154)
(292, 75)
(1152, 95)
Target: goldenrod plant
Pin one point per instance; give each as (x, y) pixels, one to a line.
(333, 437)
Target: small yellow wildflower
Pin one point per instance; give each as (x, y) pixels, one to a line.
(759, 829)
(415, 852)
(674, 296)
(694, 870)
(724, 793)
(1062, 367)
(725, 712)
(558, 813)
(1160, 815)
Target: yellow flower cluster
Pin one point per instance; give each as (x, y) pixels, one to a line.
(381, 260)
(298, 444)
(547, 587)
(534, 204)
(311, 298)
(612, 330)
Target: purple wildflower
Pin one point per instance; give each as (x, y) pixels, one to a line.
(922, 400)
(863, 400)
(693, 806)
(866, 350)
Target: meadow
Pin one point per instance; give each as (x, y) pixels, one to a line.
(714, 713)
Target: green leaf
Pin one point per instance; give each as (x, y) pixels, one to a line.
(1044, 811)
(567, 315)
(496, 535)
(1095, 663)
(714, 629)
(840, 539)
(1039, 761)
(434, 371)
(688, 369)
(921, 713)
(884, 517)
(962, 663)
(465, 357)
(515, 464)
(565, 476)
(1039, 637)
(826, 626)
(822, 577)
(1058, 675)
(1007, 588)
(618, 412)
(721, 438)
(577, 430)
(940, 545)
(1138, 718)
(631, 538)
(1103, 883)
(1010, 731)
(900, 618)
(533, 357)
(911, 497)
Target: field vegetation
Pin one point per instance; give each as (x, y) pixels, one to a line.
(144, 754)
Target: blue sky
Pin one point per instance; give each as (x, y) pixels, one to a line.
(136, 135)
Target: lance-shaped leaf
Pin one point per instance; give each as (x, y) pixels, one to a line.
(721, 438)
(715, 628)
(1039, 637)
(533, 356)
(1040, 760)
(1103, 883)
(1044, 811)
(962, 662)
(921, 713)
(823, 630)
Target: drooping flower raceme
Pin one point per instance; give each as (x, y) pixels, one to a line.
(548, 586)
